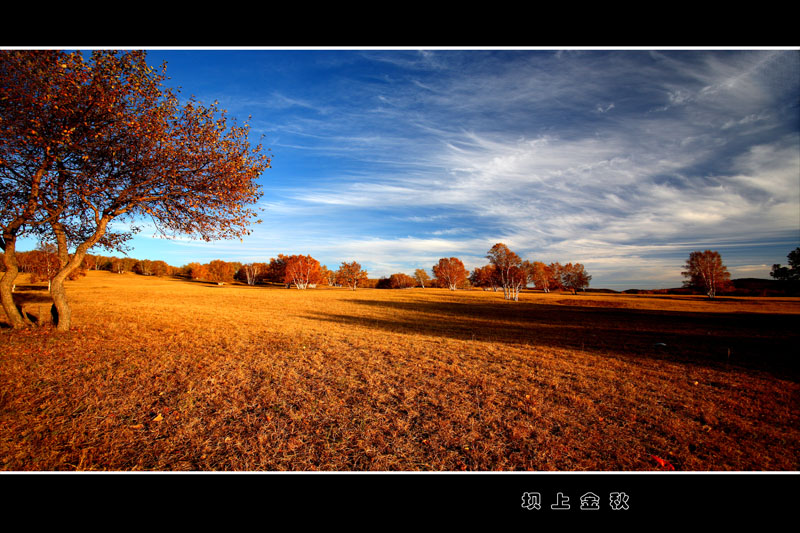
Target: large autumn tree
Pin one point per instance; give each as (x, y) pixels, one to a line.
(87, 142)
(25, 88)
(509, 269)
(350, 274)
(302, 271)
(450, 272)
(574, 277)
(706, 272)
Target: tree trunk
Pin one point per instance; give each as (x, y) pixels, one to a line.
(61, 311)
(15, 317)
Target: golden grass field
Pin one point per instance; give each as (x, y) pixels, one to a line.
(168, 374)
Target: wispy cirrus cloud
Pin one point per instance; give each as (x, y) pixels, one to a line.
(622, 160)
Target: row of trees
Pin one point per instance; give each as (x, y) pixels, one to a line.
(505, 270)
(120, 265)
(704, 271)
(300, 271)
(42, 264)
(508, 271)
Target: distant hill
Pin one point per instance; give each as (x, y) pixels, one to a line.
(742, 287)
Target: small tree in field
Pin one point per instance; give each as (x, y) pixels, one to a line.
(324, 275)
(196, 271)
(161, 268)
(276, 269)
(450, 272)
(350, 274)
(556, 271)
(329, 275)
(706, 272)
(422, 277)
(144, 267)
(574, 277)
(115, 265)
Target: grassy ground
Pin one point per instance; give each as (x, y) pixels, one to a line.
(167, 374)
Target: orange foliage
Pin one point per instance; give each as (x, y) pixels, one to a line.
(219, 271)
(485, 277)
(350, 274)
(574, 277)
(302, 271)
(542, 276)
(450, 272)
(90, 142)
(706, 272)
(422, 277)
(401, 281)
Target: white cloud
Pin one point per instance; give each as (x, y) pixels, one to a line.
(621, 161)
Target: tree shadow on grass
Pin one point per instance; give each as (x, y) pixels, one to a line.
(756, 341)
(33, 301)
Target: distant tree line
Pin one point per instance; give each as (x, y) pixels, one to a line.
(704, 272)
(299, 271)
(505, 270)
(42, 264)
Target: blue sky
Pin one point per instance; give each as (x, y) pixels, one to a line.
(623, 160)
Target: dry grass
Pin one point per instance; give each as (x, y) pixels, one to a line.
(165, 374)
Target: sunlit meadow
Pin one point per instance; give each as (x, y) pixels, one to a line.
(169, 374)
